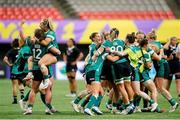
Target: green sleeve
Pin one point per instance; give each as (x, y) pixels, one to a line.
(51, 35)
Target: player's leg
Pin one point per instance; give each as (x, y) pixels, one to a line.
(177, 76)
(14, 90)
(21, 88)
(162, 75)
(48, 98)
(95, 108)
(79, 97)
(95, 89)
(32, 95)
(138, 92)
(45, 61)
(74, 82)
(71, 74)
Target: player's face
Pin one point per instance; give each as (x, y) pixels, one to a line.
(173, 41)
(42, 26)
(69, 43)
(113, 35)
(148, 38)
(139, 36)
(98, 38)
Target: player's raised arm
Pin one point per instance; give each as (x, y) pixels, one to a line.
(21, 34)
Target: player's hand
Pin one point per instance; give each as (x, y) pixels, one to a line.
(171, 57)
(22, 23)
(164, 56)
(29, 76)
(108, 50)
(74, 63)
(94, 58)
(10, 65)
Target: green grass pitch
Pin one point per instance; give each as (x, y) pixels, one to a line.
(62, 103)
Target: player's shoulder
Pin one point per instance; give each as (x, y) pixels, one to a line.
(118, 41)
(92, 45)
(51, 32)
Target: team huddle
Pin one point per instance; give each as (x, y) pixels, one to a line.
(120, 66)
(123, 67)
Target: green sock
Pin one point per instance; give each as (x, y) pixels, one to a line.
(22, 93)
(158, 109)
(43, 98)
(137, 101)
(27, 96)
(30, 106)
(91, 102)
(49, 106)
(46, 77)
(77, 100)
(120, 101)
(151, 101)
(99, 99)
(172, 101)
(83, 104)
(114, 104)
(109, 101)
(126, 105)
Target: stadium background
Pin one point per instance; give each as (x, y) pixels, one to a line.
(79, 18)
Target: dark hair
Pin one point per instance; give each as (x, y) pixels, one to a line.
(115, 30)
(93, 35)
(72, 41)
(15, 43)
(131, 37)
(39, 34)
(143, 42)
(105, 34)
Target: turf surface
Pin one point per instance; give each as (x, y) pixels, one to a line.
(62, 103)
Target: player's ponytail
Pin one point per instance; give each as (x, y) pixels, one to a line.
(93, 35)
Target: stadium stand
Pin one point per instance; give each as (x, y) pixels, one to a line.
(121, 9)
(28, 9)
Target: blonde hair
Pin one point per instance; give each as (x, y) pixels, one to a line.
(48, 23)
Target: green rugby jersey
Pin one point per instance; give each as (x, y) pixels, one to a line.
(118, 45)
(107, 44)
(21, 64)
(92, 48)
(38, 52)
(159, 46)
(95, 65)
(51, 34)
